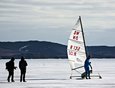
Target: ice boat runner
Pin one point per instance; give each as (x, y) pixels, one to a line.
(76, 49)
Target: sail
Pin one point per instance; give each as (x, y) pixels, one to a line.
(76, 46)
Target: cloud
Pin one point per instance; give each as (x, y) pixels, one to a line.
(97, 15)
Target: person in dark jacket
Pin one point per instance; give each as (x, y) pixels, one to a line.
(22, 66)
(87, 66)
(10, 67)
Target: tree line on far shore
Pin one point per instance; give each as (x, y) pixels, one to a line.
(45, 50)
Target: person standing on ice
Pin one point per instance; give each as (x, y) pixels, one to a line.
(22, 66)
(87, 66)
(10, 67)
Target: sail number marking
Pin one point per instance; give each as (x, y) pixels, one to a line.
(75, 35)
(73, 50)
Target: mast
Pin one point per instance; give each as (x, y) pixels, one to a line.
(83, 35)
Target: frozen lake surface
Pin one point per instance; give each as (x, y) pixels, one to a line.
(54, 73)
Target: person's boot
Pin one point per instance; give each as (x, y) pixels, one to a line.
(13, 81)
(20, 79)
(24, 80)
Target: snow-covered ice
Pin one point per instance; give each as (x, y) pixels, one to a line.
(54, 73)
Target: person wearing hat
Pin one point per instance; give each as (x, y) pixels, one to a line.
(10, 68)
(87, 66)
(22, 66)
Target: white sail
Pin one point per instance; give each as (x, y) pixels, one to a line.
(76, 46)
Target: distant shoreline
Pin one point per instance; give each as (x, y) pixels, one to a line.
(45, 50)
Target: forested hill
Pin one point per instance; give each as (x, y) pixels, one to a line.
(32, 49)
(102, 51)
(43, 49)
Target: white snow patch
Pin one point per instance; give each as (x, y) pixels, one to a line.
(54, 73)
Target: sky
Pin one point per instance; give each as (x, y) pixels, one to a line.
(53, 20)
